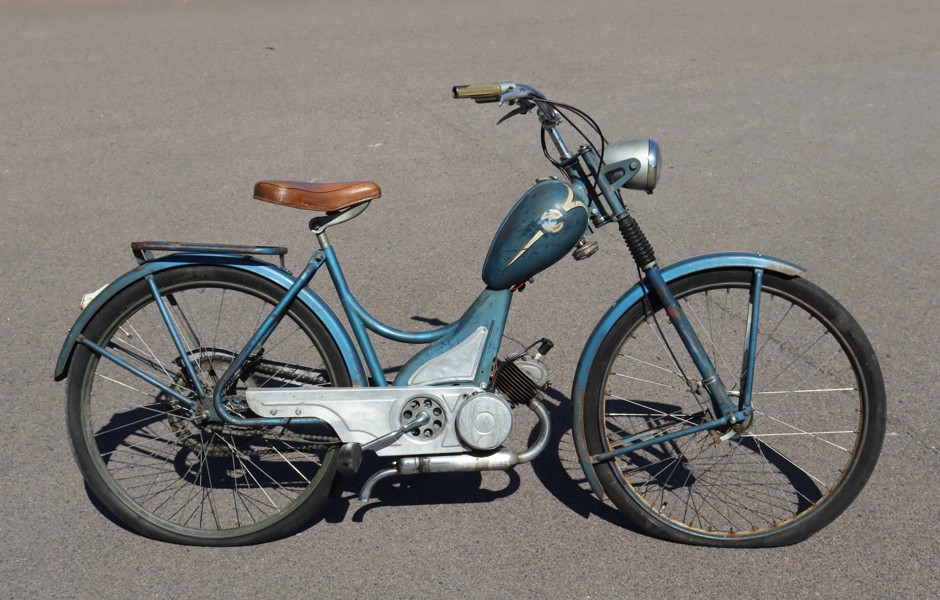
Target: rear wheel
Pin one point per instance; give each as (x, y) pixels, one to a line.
(814, 438)
(168, 473)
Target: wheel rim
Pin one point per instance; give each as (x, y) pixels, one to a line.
(790, 459)
(171, 470)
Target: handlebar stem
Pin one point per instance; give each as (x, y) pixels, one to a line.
(563, 151)
(550, 120)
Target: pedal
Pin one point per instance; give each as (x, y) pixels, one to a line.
(349, 458)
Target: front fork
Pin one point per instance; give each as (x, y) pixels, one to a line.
(724, 408)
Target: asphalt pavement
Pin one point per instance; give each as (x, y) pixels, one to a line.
(803, 129)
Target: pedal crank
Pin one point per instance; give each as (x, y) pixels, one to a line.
(391, 437)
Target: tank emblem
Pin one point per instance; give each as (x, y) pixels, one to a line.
(552, 221)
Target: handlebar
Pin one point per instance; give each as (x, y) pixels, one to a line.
(526, 97)
(480, 92)
(504, 91)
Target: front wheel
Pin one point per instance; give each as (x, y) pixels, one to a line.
(804, 455)
(171, 474)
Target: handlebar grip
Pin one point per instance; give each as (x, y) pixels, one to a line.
(480, 92)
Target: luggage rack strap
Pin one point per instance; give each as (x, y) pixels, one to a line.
(143, 251)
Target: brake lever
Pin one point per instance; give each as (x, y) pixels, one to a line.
(524, 107)
(519, 111)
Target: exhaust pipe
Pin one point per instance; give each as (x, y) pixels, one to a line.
(499, 460)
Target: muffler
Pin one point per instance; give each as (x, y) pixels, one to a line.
(498, 460)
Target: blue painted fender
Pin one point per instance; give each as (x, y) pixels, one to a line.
(708, 262)
(237, 261)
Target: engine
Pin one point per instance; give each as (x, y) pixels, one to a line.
(484, 420)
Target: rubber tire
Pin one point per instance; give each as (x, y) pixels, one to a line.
(97, 476)
(855, 474)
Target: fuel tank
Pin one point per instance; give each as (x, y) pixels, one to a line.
(543, 226)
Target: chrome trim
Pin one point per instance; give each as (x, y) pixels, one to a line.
(652, 173)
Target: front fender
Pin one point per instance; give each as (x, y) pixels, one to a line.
(237, 261)
(708, 262)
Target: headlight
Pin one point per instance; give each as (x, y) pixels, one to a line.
(632, 164)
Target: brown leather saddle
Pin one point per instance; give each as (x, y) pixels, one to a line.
(324, 197)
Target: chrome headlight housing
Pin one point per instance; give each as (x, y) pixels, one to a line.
(632, 164)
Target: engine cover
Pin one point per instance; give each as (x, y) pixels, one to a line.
(484, 421)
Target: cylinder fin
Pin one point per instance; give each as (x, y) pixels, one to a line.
(514, 384)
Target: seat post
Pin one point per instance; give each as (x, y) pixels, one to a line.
(321, 239)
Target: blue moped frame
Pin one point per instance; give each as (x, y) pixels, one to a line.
(489, 311)
(234, 260)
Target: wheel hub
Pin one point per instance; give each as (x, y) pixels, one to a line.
(197, 429)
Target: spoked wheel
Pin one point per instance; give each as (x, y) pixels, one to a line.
(810, 446)
(174, 475)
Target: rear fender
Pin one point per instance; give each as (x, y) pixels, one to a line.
(237, 261)
(708, 262)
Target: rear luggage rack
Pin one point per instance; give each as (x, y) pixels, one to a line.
(143, 251)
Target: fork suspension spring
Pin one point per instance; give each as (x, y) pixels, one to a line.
(639, 246)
